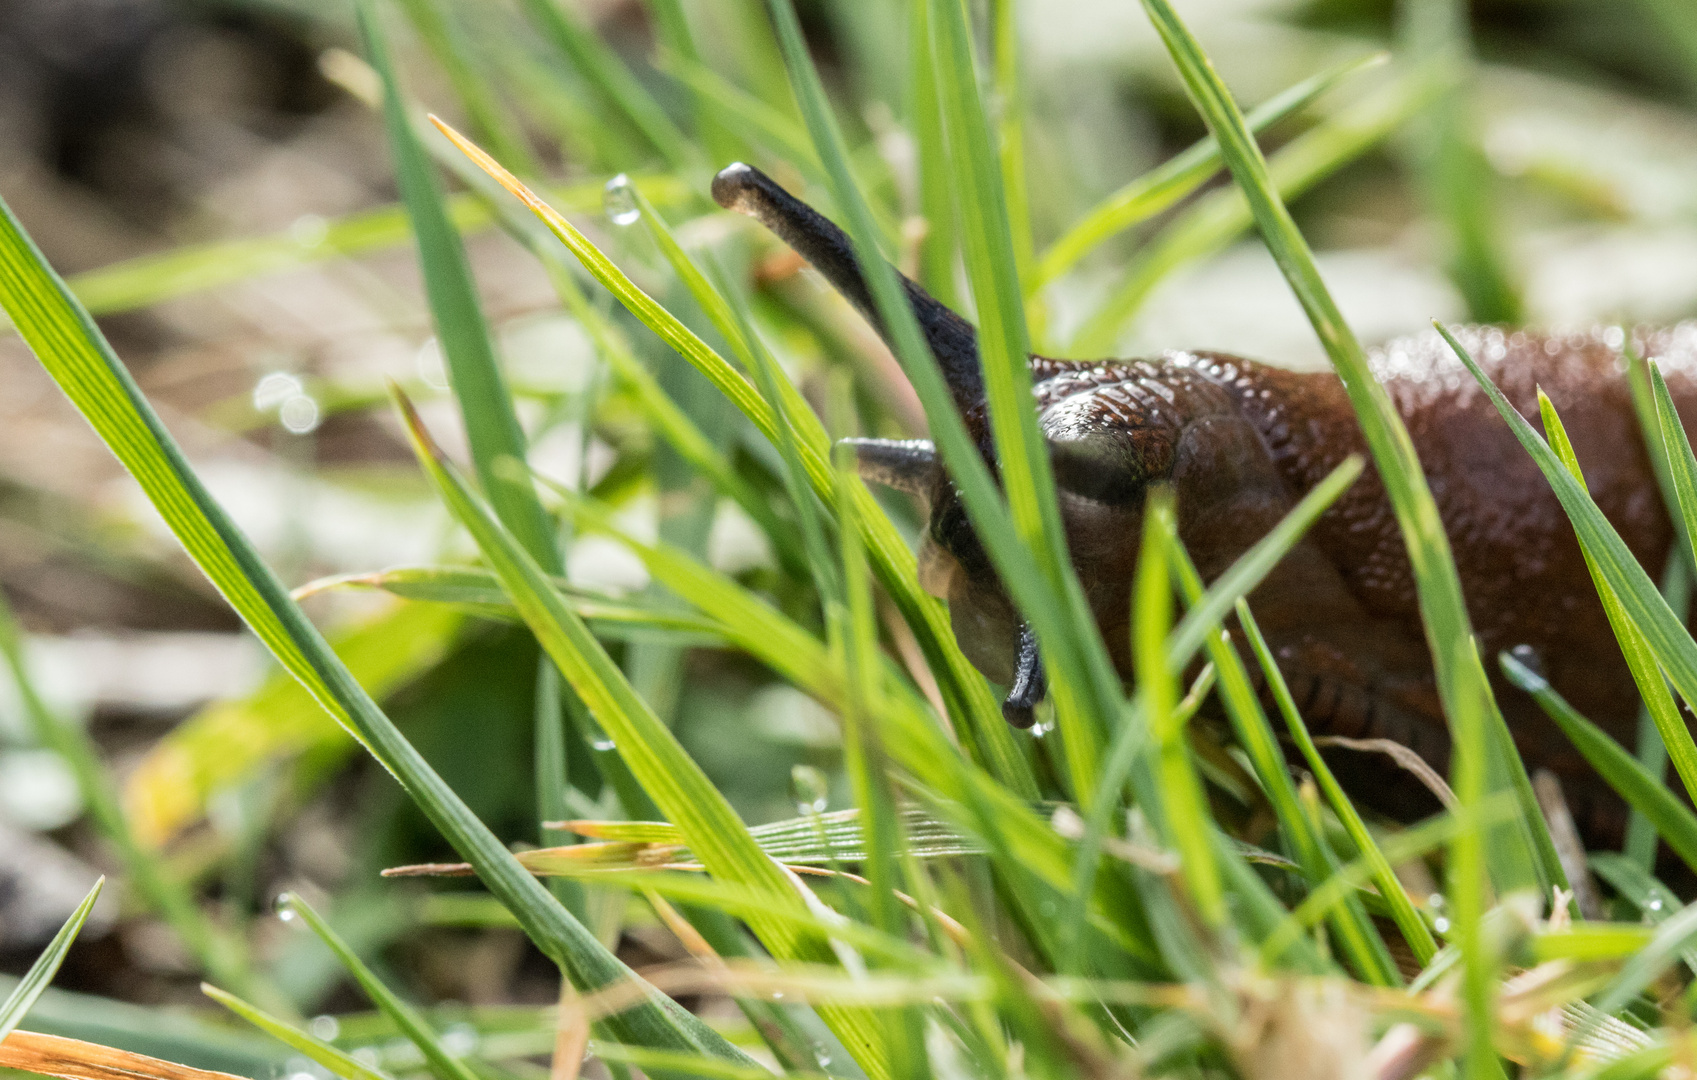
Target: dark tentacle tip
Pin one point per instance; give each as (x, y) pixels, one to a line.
(735, 184)
(1030, 683)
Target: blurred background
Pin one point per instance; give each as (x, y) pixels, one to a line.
(212, 177)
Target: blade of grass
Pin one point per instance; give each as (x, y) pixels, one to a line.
(404, 1016)
(1646, 794)
(1644, 604)
(1664, 711)
(1183, 804)
(666, 771)
(1682, 467)
(1082, 682)
(40, 973)
(335, 1061)
(1413, 927)
(76, 355)
(962, 686)
(1461, 685)
(1161, 188)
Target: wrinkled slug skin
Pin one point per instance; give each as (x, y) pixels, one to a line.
(1240, 442)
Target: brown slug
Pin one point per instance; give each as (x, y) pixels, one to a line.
(1239, 443)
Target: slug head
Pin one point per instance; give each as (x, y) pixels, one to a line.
(1112, 432)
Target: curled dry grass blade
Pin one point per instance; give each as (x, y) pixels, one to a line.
(969, 698)
(77, 357)
(73, 1059)
(667, 773)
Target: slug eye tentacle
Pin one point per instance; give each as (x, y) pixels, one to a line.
(1030, 683)
(748, 191)
(908, 465)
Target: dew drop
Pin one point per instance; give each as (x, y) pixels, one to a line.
(777, 995)
(821, 1055)
(1655, 904)
(285, 906)
(1441, 925)
(325, 1028)
(1435, 901)
(299, 414)
(810, 789)
(619, 201)
(367, 1055)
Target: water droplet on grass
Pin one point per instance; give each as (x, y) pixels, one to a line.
(619, 201)
(299, 414)
(325, 1028)
(810, 789)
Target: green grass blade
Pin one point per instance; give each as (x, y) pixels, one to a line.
(405, 1017)
(338, 1063)
(486, 406)
(937, 248)
(1083, 684)
(1682, 467)
(1644, 604)
(1462, 687)
(1161, 188)
(1408, 920)
(964, 689)
(1183, 807)
(1664, 711)
(1646, 794)
(1361, 942)
(667, 773)
(40, 973)
(1673, 937)
(76, 355)
(1218, 219)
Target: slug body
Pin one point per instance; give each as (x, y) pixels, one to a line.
(1239, 443)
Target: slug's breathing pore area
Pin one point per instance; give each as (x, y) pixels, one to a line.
(1239, 443)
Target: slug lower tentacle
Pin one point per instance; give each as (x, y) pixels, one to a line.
(1239, 443)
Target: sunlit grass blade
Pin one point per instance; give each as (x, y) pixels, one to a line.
(40, 973)
(1183, 805)
(1461, 684)
(76, 355)
(1664, 711)
(412, 1025)
(1161, 188)
(1413, 927)
(983, 807)
(962, 686)
(486, 407)
(1360, 941)
(221, 954)
(1646, 794)
(1682, 467)
(665, 770)
(1644, 604)
(660, 1062)
(335, 1061)
(1219, 218)
(193, 268)
(1082, 682)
